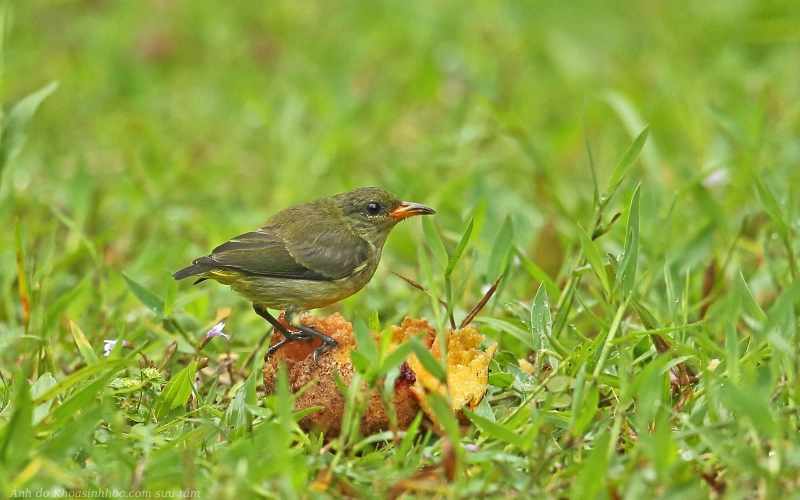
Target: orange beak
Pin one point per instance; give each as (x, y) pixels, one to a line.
(408, 209)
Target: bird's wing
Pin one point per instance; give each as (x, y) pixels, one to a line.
(262, 253)
(335, 253)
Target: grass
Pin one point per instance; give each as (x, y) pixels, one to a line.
(649, 279)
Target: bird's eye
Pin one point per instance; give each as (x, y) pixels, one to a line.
(373, 208)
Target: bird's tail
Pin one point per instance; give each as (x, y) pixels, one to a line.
(192, 270)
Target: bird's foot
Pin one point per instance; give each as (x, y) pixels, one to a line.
(327, 345)
(302, 334)
(305, 335)
(328, 342)
(287, 339)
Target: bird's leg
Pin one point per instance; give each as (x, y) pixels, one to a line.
(288, 335)
(305, 333)
(292, 317)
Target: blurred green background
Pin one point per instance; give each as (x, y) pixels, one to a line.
(178, 124)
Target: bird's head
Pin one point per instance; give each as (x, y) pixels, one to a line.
(372, 212)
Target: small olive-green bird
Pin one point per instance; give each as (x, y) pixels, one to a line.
(307, 256)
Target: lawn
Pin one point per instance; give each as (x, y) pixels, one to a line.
(628, 168)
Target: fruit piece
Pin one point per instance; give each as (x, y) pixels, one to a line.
(467, 365)
(302, 370)
(467, 374)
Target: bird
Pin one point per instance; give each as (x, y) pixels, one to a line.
(307, 256)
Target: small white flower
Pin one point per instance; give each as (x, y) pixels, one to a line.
(716, 178)
(216, 331)
(108, 346)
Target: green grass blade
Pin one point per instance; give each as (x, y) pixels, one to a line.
(45, 383)
(505, 326)
(395, 357)
(434, 241)
(772, 207)
(592, 473)
(433, 365)
(364, 341)
(593, 257)
(177, 391)
(781, 221)
(587, 145)
(782, 311)
(19, 438)
(83, 344)
(68, 440)
(22, 275)
(238, 416)
(462, 245)
(408, 439)
(750, 305)
(538, 274)
(584, 410)
(626, 275)
(15, 123)
(82, 374)
(753, 405)
(145, 296)
(500, 250)
(625, 163)
(172, 294)
(541, 321)
(496, 430)
(447, 419)
(81, 399)
(429, 281)
(732, 351)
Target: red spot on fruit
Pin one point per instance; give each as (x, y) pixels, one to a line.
(406, 375)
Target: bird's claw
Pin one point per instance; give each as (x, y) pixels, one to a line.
(325, 347)
(302, 333)
(305, 336)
